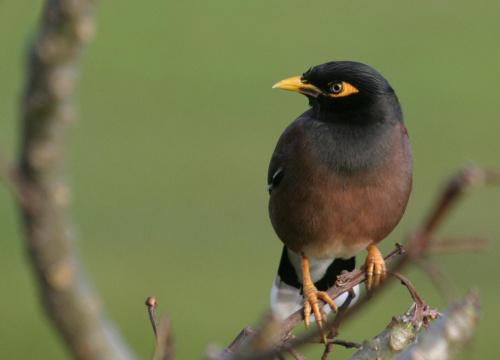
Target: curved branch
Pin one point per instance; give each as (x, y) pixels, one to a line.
(66, 26)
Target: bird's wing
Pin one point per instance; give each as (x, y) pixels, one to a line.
(277, 167)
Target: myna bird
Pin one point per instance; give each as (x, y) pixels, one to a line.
(339, 181)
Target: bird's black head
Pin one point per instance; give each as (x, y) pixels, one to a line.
(337, 89)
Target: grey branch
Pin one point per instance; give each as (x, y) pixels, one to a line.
(450, 334)
(40, 178)
(402, 340)
(395, 339)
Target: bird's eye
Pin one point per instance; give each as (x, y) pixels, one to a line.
(341, 89)
(336, 87)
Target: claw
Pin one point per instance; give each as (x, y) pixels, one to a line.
(376, 272)
(311, 295)
(307, 313)
(326, 298)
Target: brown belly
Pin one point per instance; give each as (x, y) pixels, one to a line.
(328, 216)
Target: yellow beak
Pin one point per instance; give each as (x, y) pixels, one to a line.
(296, 84)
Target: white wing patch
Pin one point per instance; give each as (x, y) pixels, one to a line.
(270, 186)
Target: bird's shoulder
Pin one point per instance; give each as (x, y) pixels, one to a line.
(294, 131)
(288, 140)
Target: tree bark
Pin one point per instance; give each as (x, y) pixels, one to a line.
(43, 194)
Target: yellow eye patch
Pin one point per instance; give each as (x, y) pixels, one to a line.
(341, 89)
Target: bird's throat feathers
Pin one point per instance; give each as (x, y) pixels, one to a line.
(350, 148)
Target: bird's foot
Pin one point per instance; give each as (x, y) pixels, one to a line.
(374, 266)
(311, 295)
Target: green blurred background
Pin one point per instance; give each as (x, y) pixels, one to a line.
(177, 125)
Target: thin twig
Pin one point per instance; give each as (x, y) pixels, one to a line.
(296, 354)
(151, 304)
(419, 302)
(164, 349)
(334, 326)
(465, 179)
(344, 343)
(300, 340)
(468, 244)
(239, 339)
(414, 294)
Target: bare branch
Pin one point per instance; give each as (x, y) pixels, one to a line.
(467, 178)
(413, 292)
(238, 341)
(469, 244)
(151, 304)
(164, 344)
(398, 336)
(40, 181)
(296, 354)
(450, 334)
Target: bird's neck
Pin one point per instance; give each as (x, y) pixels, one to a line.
(384, 109)
(354, 146)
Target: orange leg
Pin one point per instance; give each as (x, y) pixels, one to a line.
(311, 295)
(374, 267)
